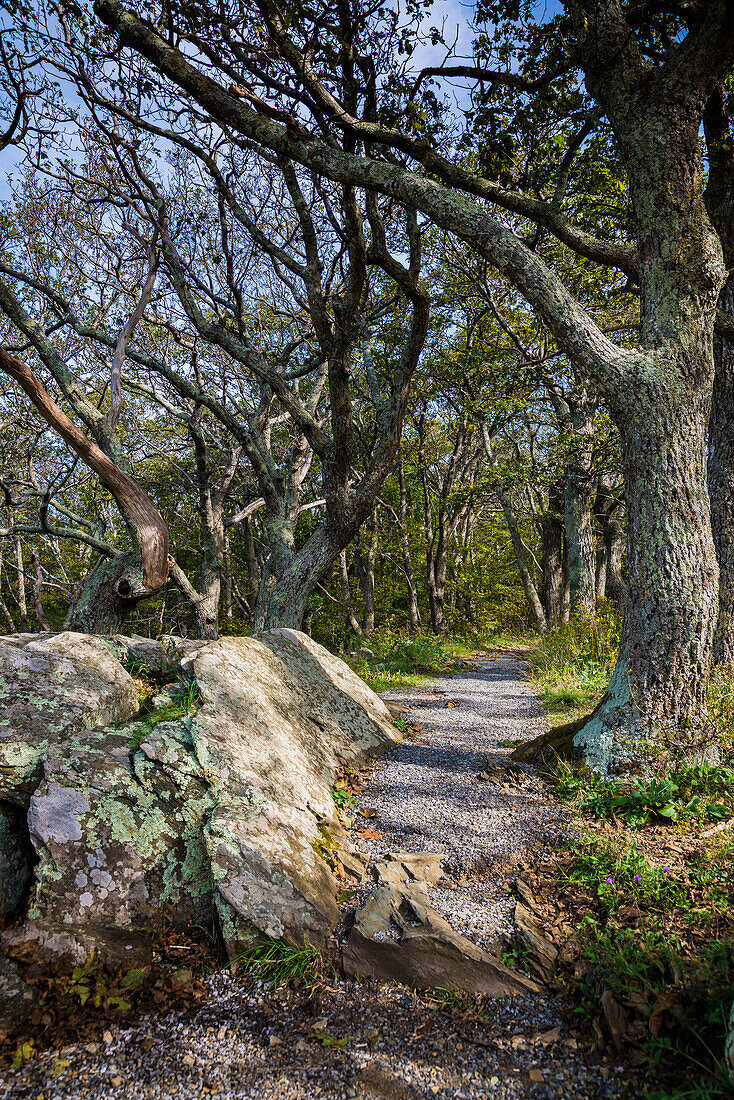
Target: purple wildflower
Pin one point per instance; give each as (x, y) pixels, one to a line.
(638, 878)
(610, 878)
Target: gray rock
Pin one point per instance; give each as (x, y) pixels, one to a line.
(120, 836)
(542, 955)
(228, 809)
(17, 998)
(281, 716)
(397, 937)
(52, 686)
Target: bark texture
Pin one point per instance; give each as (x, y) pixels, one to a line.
(720, 204)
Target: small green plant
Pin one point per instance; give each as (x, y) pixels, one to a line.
(343, 799)
(277, 963)
(187, 701)
(516, 956)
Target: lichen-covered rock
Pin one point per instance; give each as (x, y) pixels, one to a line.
(226, 810)
(280, 716)
(120, 835)
(52, 686)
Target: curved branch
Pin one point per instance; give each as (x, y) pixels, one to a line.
(143, 519)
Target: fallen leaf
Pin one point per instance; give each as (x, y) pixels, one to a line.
(551, 1036)
(536, 1075)
(453, 703)
(367, 834)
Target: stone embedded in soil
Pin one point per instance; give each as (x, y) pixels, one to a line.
(542, 954)
(17, 998)
(397, 936)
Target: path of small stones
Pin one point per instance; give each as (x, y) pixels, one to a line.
(249, 1044)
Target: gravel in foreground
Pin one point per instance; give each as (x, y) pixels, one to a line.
(363, 1040)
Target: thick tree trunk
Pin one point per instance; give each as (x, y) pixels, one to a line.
(656, 701)
(720, 205)
(108, 596)
(130, 577)
(286, 604)
(721, 481)
(614, 543)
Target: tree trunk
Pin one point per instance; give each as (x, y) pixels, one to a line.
(414, 615)
(552, 562)
(130, 577)
(601, 573)
(22, 600)
(720, 205)
(37, 602)
(352, 620)
(578, 518)
(656, 700)
(366, 570)
(526, 577)
(289, 596)
(228, 612)
(721, 480)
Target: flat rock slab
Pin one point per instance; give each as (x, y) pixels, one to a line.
(398, 937)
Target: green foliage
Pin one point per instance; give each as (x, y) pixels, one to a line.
(700, 792)
(400, 662)
(277, 963)
(653, 971)
(573, 663)
(620, 875)
(186, 702)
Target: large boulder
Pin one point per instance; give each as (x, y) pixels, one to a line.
(120, 837)
(228, 809)
(52, 686)
(281, 715)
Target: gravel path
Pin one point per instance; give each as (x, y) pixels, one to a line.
(429, 794)
(363, 1040)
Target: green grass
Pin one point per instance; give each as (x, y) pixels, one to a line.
(571, 665)
(185, 703)
(401, 663)
(276, 963)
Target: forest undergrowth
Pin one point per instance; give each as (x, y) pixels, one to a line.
(642, 899)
